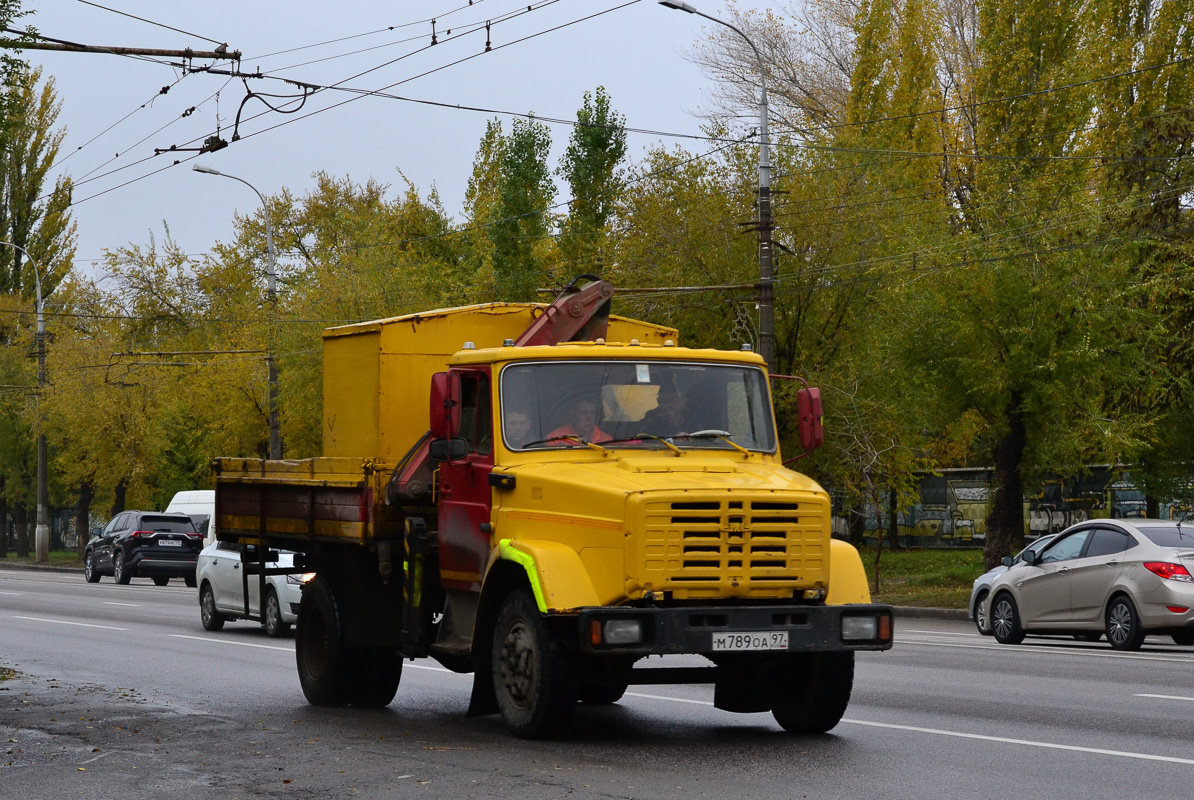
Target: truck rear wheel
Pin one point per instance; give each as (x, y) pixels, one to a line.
(814, 692)
(379, 671)
(534, 676)
(324, 663)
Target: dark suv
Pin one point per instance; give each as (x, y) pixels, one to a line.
(152, 543)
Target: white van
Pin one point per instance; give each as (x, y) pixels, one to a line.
(200, 506)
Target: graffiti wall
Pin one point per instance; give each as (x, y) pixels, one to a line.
(953, 506)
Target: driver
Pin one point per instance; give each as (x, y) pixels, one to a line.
(668, 416)
(582, 422)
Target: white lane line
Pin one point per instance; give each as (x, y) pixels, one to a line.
(938, 633)
(14, 594)
(408, 665)
(113, 603)
(673, 699)
(1166, 697)
(1085, 652)
(65, 622)
(228, 641)
(1027, 742)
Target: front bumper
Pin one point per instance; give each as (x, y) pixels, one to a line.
(691, 630)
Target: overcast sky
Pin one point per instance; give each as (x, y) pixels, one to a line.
(636, 51)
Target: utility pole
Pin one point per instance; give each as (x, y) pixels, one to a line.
(275, 428)
(766, 266)
(221, 53)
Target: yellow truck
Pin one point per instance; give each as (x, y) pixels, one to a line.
(548, 497)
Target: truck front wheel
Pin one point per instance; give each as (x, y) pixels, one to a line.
(324, 665)
(814, 692)
(534, 676)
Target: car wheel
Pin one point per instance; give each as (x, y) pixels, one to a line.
(122, 574)
(1124, 631)
(212, 620)
(1183, 637)
(1005, 620)
(982, 614)
(274, 626)
(325, 665)
(815, 694)
(89, 571)
(534, 678)
(160, 580)
(190, 581)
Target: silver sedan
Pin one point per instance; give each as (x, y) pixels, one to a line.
(1123, 578)
(222, 584)
(980, 593)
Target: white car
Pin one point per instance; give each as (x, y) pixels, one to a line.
(220, 576)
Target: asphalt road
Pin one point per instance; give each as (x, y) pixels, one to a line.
(119, 693)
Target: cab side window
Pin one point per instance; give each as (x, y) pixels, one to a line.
(476, 416)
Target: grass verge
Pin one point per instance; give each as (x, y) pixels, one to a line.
(925, 578)
(57, 558)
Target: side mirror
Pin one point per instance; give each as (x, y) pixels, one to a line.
(808, 405)
(1031, 557)
(1006, 561)
(445, 405)
(447, 449)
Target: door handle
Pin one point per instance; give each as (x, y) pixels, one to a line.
(1112, 563)
(1063, 570)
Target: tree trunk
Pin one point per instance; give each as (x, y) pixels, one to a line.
(1005, 525)
(118, 497)
(20, 518)
(83, 517)
(856, 519)
(3, 522)
(1152, 507)
(893, 521)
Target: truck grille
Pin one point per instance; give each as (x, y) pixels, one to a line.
(758, 546)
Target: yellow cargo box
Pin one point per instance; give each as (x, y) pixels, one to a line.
(376, 374)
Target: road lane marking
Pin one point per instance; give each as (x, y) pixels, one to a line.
(228, 641)
(673, 699)
(65, 622)
(1068, 649)
(14, 594)
(113, 603)
(1026, 742)
(1166, 697)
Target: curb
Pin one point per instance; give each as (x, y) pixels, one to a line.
(10, 565)
(914, 612)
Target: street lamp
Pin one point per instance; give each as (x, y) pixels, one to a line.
(41, 535)
(766, 270)
(275, 432)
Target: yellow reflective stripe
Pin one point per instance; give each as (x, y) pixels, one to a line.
(510, 553)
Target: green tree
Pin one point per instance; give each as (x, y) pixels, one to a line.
(592, 166)
(520, 229)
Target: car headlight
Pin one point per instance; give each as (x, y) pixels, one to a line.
(299, 577)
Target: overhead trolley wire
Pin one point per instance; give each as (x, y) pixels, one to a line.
(151, 22)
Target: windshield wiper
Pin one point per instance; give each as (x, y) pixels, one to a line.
(713, 434)
(571, 437)
(639, 436)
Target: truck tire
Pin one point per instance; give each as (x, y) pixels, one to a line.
(534, 676)
(324, 663)
(379, 670)
(602, 694)
(814, 692)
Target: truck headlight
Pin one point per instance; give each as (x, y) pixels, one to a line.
(615, 632)
(860, 629)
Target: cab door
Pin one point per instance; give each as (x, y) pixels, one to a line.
(464, 492)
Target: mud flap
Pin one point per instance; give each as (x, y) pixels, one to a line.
(482, 701)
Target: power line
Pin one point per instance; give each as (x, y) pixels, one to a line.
(151, 22)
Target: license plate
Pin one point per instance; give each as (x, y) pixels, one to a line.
(751, 640)
(169, 543)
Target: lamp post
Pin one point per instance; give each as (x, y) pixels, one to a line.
(41, 535)
(766, 269)
(275, 432)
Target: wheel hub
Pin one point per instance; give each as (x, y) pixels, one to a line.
(518, 664)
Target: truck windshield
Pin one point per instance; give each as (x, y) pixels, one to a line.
(637, 405)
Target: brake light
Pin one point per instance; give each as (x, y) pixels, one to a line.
(1178, 609)
(1169, 571)
(137, 534)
